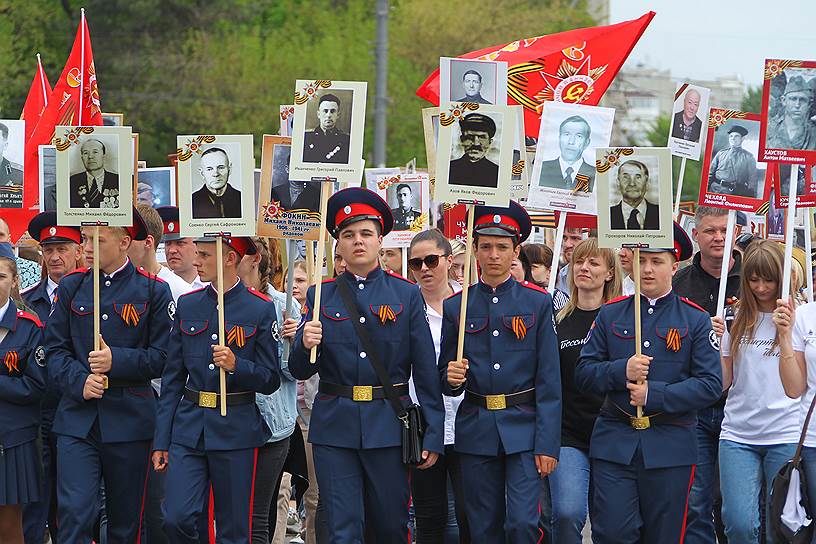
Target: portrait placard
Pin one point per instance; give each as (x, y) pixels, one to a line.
(805, 186)
(113, 119)
(756, 224)
(687, 221)
(475, 154)
(454, 222)
(634, 192)
(775, 219)
(430, 125)
(12, 143)
(287, 208)
(47, 157)
(732, 177)
(373, 175)
(469, 80)
(215, 185)
(564, 169)
(329, 124)
(687, 125)
(408, 197)
(788, 124)
(287, 119)
(94, 175)
(156, 186)
(520, 184)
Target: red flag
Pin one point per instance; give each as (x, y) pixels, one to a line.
(36, 100)
(575, 66)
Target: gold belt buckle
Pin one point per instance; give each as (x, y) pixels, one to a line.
(105, 383)
(640, 423)
(496, 402)
(362, 393)
(207, 399)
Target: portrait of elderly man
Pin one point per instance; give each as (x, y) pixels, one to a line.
(634, 212)
(686, 125)
(326, 142)
(793, 127)
(404, 214)
(11, 173)
(573, 139)
(95, 187)
(473, 168)
(216, 198)
(733, 170)
(472, 84)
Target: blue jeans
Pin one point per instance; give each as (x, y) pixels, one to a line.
(704, 499)
(569, 486)
(743, 467)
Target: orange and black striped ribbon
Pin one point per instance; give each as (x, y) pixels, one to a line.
(10, 360)
(386, 314)
(519, 328)
(129, 315)
(236, 336)
(673, 340)
(581, 184)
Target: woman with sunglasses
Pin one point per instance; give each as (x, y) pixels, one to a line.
(430, 260)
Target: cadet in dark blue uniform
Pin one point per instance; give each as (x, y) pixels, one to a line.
(508, 429)
(642, 468)
(193, 441)
(61, 253)
(355, 433)
(103, 433)
(22, 384)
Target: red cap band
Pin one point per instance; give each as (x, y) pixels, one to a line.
(356, 210)
(497, 220)
(62, 232)
(171, 227)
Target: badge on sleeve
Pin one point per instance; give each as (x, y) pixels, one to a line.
(276, 332)
(39, 356)
(171, 310)
(713, 340)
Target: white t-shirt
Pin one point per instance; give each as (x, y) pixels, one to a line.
(804, 340)
(177, 285)
(758, 411)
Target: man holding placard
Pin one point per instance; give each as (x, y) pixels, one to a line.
(355, 432)
(195, 443)
(643, 466)
(508, 428)
(105, 418)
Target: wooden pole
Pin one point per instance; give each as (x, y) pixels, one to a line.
(729, 238)
(460, 344)
(636, 274)
(96, 324)
(809, 251)
(679, 188)
(310, 259)
(789, 238)
(325, 193)
(222, 376)
(559, 238)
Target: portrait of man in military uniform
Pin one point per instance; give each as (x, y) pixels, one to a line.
(733, 169)
(793, 126)
(11, 172)
(405, 213)
(326, 142)
(216, 198)
(95, 185)
(473, 168)
(292, 195)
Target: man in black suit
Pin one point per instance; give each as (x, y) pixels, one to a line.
(686, 125)
(216, 198)
(634, 212)
(95, 187)
(292, 195)
(569, 170)
(473, 168)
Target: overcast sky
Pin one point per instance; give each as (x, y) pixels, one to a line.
(703, 39)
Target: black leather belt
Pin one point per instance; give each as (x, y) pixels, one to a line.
(118, 382)
(500, 402)
(209, 399)
(611, 409)
(360, 393)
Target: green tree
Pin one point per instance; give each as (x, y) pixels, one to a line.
(752, 101)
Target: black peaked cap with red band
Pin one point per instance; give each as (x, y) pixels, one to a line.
(43, 228)
(356, 204)
(170, 218)
(682, 249)
(138, 231)
(243, 245)
(494, 221)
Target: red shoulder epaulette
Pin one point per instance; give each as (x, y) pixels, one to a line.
(328, 280)
(193, 291)
(77, 271)
(395, 275)
(457, 293)
(31, 317)
(618, 299)
(259, 294)
(145, 273)
(532, 286)
(690, 303)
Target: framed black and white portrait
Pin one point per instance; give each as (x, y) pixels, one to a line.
(408, 197)
(156, 186)
(689, 120)
(12, 142)
(468, 80)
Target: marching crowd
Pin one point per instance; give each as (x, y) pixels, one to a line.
(544, 419)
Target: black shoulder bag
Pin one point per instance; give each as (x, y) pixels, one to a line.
(790, 505)
(413, 426)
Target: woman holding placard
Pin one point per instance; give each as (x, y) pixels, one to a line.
(595, 278)
(761, 425)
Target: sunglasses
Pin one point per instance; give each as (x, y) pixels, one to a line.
(431, 261)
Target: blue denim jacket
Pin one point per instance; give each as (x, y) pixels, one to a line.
(279, 409)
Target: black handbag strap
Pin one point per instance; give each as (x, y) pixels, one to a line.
(373, 356)
(804, 432)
